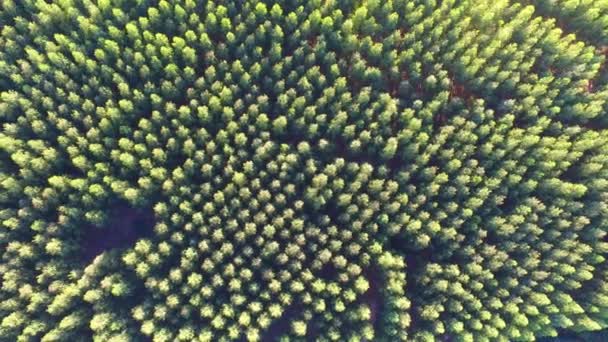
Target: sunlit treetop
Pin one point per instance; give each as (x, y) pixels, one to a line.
(302, 170)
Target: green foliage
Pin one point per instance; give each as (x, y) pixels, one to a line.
(402, 170)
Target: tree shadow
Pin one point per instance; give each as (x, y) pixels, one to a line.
(124, 226)
(282, 325)
(571, 336)
(373, 296)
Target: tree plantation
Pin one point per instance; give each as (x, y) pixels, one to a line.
(303, 170)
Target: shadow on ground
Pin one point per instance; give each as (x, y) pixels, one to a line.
(125, 225)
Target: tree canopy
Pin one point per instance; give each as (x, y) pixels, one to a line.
(398, 170)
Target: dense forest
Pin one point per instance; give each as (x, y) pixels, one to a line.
(303, 170)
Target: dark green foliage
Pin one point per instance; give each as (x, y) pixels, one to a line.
(399, 170)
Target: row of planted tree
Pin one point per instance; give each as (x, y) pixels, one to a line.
(315, 170)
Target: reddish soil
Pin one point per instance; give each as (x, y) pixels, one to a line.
(459, 90)
(312, 41)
